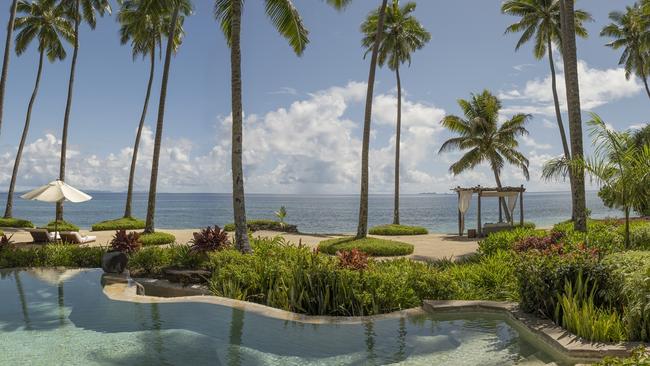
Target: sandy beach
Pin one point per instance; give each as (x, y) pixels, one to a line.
(427, 247)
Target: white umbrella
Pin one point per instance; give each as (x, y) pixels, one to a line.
(56, 191)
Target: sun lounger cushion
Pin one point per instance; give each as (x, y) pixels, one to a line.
(43, 236)
(76, 238)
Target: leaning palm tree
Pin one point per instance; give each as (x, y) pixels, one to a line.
(487, 141)
(402, 35)
(540, 22)
(5, 59)
(570, 57)
(144, 29)
(178, 10)
(77, 11)
(630, 32)
(45, 22)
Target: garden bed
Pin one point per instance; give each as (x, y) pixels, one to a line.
(397, 230)
(124, 223)
(265, 225)
(372, 246)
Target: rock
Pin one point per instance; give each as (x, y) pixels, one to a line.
(114, 262)
(186, 276)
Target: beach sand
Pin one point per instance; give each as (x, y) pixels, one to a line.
(427, 247)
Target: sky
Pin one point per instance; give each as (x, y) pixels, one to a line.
(303, 115)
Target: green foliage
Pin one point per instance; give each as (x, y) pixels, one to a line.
(124, 223)
(606, 236)
(150, 261)
(372, 246)
(281, 214)
(640, 357)
(631, 285)
(15, 223)
(506, 240)
(53, 255)
(157, 238)
(577, 313)
(640, 237)
(61, 225)
(395, 230)
(265, 225)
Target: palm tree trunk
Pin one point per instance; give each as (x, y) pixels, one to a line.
(5, 60)
(362, 228)
(153, 182)
(398, 135)
(575, 117)
(238, 197)
(502, 202)
(627, 228)
(136, 146)
(23, 139)
(68, 106)
(645, 83)
(560, 124)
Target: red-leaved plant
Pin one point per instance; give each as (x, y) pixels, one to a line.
(210, 239)
(6, 243)
(550, 242)
(353, 259)
(126, 242)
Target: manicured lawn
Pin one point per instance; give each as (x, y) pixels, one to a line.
(395, 230)
(157, 238)
(124, 223)
(371, 246)
(17, 223)
(61, 226)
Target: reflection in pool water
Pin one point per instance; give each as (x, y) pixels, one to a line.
(50, 317)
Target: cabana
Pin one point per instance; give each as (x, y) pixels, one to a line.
(506, 195)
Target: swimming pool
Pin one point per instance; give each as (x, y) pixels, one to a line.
(63, 318)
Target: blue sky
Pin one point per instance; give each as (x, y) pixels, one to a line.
(303, 115)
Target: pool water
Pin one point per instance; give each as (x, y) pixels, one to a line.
(52, 317)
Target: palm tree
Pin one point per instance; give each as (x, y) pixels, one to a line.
(570, 57)
(5, 59)
(77, 11)
(487, 142)
(288, 23)
(44, 21)
(144, 29)
(403, 34)
(540, 22)
(630, 32)
(178, 10)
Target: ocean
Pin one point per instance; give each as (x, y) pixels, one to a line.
(323, 214)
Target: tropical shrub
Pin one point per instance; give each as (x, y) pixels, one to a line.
(372, 246)
(265, 225)
(540, 243)
(353, 259)
(53, 255)
(489, 277)
(61, 225)
(506, 240)
(210, 239)
(577, 313)
(640, 237)
(126, 242)
(640, 357)
(5, 242)
(124, 223)
(157, 238)
(149, 261)
(395, 230)
(15, 223)
(606, 236)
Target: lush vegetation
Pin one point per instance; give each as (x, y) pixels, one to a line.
(157, 238)
(372, 246)
(506, 240)
(396, 230)
(125, 223)
(53, 255)
(265, 225)
(640, 357)
(16, 223)
(61, 225)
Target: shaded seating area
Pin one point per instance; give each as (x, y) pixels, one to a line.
(42, 236)
(507, 196)
(73, 237)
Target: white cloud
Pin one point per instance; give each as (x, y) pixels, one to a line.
(530, 142)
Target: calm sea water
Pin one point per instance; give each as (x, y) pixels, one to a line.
(312, 213)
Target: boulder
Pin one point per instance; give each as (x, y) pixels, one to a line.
(114, 262)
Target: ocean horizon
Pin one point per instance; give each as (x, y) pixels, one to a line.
(312, 213)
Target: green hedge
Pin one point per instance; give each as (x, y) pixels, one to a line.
(16, 223)
(395, 230)
(53, 255)
(371, 246)
(506, 240)
(157, 238)
(61, 226)
(606, 236)
(265, 225)
(125, 223)
(640, 236)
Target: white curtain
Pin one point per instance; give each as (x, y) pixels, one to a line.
(512, 203)
(464, 200)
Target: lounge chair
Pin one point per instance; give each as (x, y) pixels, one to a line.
(42, 236)
(74, 237)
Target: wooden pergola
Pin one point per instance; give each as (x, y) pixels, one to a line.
(501, 193)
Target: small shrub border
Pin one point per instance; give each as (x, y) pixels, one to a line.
(124, 223)
(372, 246)
(61, 226)
(15, 223)
(262, 225)
(157, 238)
(397, 230)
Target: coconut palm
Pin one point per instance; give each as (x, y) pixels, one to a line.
(77, 11)
(5, 59)
(403, 34)
(45, 22)
(178, 10)
(143, 29)
(570, 58)
(540, 22)
(629, 30)
(487, 141)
